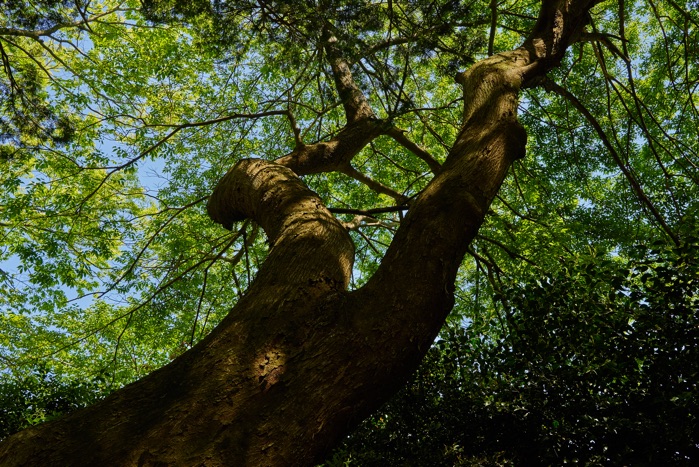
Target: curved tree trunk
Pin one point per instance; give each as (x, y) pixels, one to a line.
(299, 361)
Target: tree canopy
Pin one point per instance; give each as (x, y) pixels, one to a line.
(577, 294)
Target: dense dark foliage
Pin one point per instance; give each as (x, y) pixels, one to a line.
(598, 363)
(40, 396)
(24, 110)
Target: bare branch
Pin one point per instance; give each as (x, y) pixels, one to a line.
(506, 249)
(355, 103)
(294, 128)
(605, 40)
(493, 25)
(399, 136)
(369, 221)
(373, 184)
(369, 212)
(176, 129)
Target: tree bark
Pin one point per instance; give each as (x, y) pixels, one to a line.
(299, 360)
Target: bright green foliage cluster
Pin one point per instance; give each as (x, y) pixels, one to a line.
(89, 237)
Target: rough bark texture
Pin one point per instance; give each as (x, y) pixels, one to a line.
(299, 360)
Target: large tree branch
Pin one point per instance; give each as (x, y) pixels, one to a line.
(377, 186)
(399, 136)
(336, 154)
(362, 126)
(415, 282)
(353, 100)
(292, 216)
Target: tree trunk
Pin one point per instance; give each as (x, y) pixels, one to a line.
(300, 360)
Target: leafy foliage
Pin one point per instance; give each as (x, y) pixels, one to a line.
(597, 363)
(40, 396)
